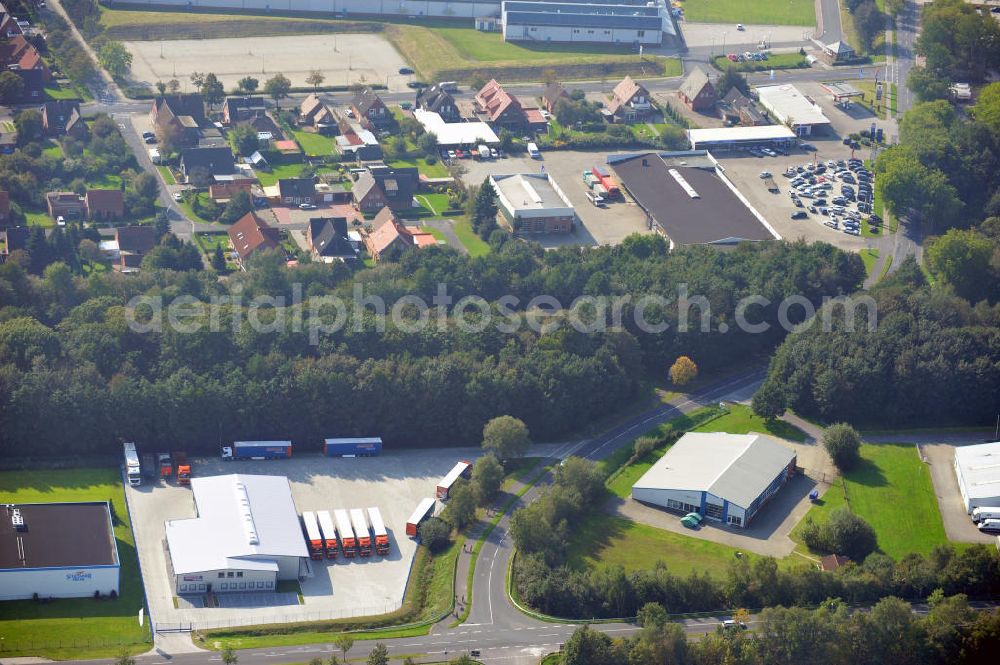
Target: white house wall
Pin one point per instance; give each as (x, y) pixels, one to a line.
(437, 8)
(529, 33)
(16, 584)
(252, 580)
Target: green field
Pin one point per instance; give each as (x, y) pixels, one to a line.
(762, 12)
(313, 144)
(473, 243)
(889, 477)
(75, 628)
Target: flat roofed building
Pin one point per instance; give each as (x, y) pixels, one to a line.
(458, 134)
(246, 536)
(736, 138)
(629, 22)
(790, 107)
(725, 477)
(532, 203)
(57, 550)
(689, 199)
(977, 469)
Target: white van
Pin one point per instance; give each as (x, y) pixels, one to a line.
(985, 513)
(990, 526)
(533, 151)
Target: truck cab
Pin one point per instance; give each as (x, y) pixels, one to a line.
(227, 453)
(183, 468)
(165, 465)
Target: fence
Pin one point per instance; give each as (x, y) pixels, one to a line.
(32, 646)
(249, 618)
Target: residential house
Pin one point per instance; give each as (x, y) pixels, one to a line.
(358, 143)
(240, 109)
(630, 102)
(104, 204)
(839, 52)
(178, 118)
(554, 92)
(383, 186)
(438, 100)
(309, 107)
(221, 192)
(501, 108)
(371, 111)
(328, 239)
(249, 235)
(216, 161)
(63, 117)
(4, 208)
(293, 191)
(133, 243)
(389, 237)
(68, 205)
(697, 91)
(8, 24)
(738, 109)
(18, 55)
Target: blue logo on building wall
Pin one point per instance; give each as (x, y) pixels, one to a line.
(79, 576)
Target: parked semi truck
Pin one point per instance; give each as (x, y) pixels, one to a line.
(423, 511)
(346, 533)
(257, 450)
(314, 540)
(165, 465)
(329, 534)
(361, 532)
(378, 529)
(604, 178)
(133, 470)
(461, 470)
(183, 467)
(985, 513)
(366, 447)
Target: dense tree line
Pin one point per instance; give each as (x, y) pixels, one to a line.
(958, 43)
(934, 358)
(66, 347)
(951, 633)
(543, 579)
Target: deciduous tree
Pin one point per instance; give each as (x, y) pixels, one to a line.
(278, 87)
(115, 58)
(506, 437)
(843, 443)
(683, 371)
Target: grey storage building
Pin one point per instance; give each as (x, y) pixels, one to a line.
(725, 477)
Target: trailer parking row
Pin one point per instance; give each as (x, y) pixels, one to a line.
(351, 536)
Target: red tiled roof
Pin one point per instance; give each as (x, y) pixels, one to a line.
(250, 233)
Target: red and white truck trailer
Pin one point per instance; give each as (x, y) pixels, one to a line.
(423, 511)
(607, 181)
(361, 532)
(314, 539)
(346, 533)
(329, 534)
(378, 528)
(461, 470)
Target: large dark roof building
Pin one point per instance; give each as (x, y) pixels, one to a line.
(691, 205)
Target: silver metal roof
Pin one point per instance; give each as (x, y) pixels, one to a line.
(734, 467)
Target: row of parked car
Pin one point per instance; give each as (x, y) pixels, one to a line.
(815, 182)
(748, 56)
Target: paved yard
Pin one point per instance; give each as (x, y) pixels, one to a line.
(345, 59)
(725, 38)
(395, 482)
(958, 526)
(599, 226)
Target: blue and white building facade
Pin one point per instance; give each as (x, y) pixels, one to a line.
(626, 22)
(726, 478)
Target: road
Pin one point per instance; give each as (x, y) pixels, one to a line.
(907, 26)
(828, 18)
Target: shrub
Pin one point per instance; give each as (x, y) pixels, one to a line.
(434, 534)
(842, 442)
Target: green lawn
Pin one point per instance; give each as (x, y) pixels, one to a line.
(435, 203)
(490, 46)
(889, 478)
(869, 257)
(168, 175)
(885, 267)
(75, 628)
(435, 170)
(603, 540)
(105, 181)
(763, 12)
(473, 243)
(277, 171)
(313, 144)
(188, 209)
(54, 92)
(741, 420)
(51, 149)
(38, 218)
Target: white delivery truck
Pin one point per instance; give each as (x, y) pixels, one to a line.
(484, 152)
(985, 513)
(533, 151)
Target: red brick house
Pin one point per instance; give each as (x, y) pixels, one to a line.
(697, 91)
(65, 204)
(104, 204)
(178, 117)
(250, 234)
(371, 111)
(630, 102)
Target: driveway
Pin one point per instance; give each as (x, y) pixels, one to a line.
(828, 27)
(958, 526)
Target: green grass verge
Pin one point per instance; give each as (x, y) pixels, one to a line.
(475, 245)
(168, 175)
(763, 12)
(869, 257)
(890, 476)
(75, 628)
(313, 144)
(885, 267)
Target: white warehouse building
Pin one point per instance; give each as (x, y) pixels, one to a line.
(790, 107)
(977, 469)
(246, 536)
(608, 22)
(57, 550)
(724, 477)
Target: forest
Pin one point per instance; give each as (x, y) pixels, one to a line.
(66, 347)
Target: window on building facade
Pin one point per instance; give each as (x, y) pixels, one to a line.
(229, 574)
(640, 33)
(239, 573)
(738, 521)
(222, 574)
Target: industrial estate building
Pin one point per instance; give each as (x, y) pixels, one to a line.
(977, 469)
(57, 550)
(532, 203)
(790, 107)
(724, 477)
(605, 21)
(741, 138)
(689, 199)
(246, 536)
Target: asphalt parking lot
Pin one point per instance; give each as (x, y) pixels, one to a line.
(394, 482)
(958, 526)
(597, 226)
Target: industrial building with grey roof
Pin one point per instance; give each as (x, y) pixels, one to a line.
(607, 21)
(725, 478)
